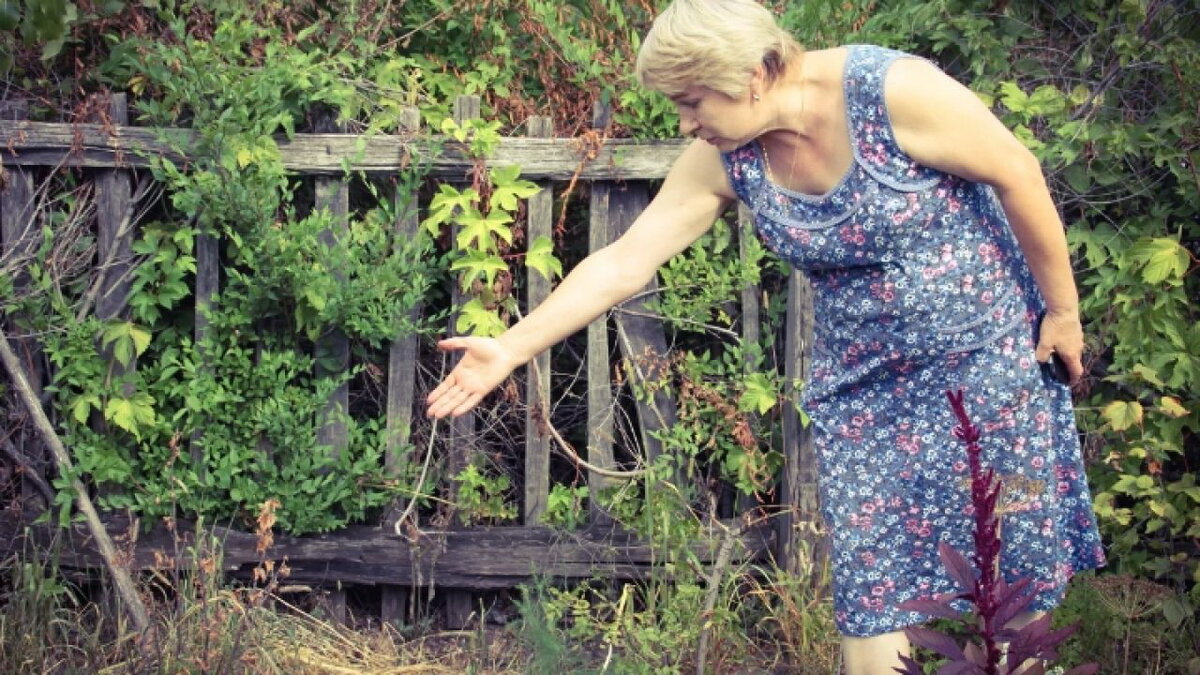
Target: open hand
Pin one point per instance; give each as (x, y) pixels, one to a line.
(484, 364)
(1062, 334)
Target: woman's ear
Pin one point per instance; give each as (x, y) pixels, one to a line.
(758, 81)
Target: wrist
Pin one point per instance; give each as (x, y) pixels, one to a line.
(1063, 311)
(513, 354)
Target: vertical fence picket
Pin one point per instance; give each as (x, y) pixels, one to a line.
(332, 349)
(402, 356)
(18, 238)
(402, 371)
(114, 251)
(114, 240)
(751, 320)
(207, 286)
(642, 337)
(797, 527)
(599, 379)
(460, 446)
(537, 387)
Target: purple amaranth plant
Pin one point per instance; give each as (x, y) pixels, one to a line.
(996, 602)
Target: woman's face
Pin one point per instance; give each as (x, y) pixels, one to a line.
(711, 116)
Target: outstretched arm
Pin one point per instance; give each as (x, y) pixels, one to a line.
(974, 144)
(692, 196)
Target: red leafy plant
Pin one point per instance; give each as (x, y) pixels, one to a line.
(996, 648)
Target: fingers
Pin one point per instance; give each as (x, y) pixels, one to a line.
(452, 344)
(451, 399)
(1075, 368)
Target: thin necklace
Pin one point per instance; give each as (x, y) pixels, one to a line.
(800, 116)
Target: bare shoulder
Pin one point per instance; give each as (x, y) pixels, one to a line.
(699, 169)
(917, 92)
(942, 124)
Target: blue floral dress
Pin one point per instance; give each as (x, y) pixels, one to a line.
(920, 288)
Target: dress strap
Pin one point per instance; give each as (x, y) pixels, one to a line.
(871, 133)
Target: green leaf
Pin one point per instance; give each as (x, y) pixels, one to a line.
(1163, 258)
(476, 319)
(478, 263)
(1078, 178)
(83, 405)
(481, 230)
(758, 396)
(1013, 97)
(141, 338)
(508, 189)
(1171, 406)
(1123, 414)
(131, 414)
(1176, 611)
(445, 203)
(541, 258)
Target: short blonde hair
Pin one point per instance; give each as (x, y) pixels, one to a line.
(715, 44)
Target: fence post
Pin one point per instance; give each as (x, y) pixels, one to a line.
(798, 526)
(599, 379)
(461, 433)
(642, 337)
(751, 320)
(114, 253)
(332, 348)
(402, 372)
(18, 239)
(537, 440)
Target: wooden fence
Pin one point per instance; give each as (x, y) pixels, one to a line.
(465, 559)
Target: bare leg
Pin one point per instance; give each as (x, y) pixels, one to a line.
(876, 655)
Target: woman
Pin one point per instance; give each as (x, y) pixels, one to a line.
(932, 244)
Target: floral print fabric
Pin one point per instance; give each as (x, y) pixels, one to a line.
(919, 288)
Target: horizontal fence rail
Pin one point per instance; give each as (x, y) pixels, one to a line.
(93, 145)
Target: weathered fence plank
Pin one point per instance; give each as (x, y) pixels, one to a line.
(332, 351)
(798, 524)
(751, 321)
(599, 377)
(18, 240)
(40, 143)
(114, 253)
(115, 228)
(475, 559)
(640, 331)
(402, 355)
(461, 444)
(402, 378)
(537, 377)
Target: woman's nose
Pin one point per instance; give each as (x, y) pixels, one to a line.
(687, 125)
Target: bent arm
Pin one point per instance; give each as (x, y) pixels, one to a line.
(692, 196)
(974, 144)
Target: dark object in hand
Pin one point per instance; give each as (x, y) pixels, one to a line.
(1055, 368)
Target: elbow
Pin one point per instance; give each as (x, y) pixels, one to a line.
(1024, 173)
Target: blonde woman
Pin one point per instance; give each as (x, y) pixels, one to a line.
(932, 245)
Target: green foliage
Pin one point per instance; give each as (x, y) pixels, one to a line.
(483, 498)
(1128, 625)
(565, 506)
(39, 22)
(215, 429)
(484, 233)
